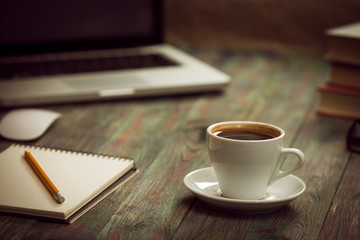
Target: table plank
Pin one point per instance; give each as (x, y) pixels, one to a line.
(342, 221)
(166, 138)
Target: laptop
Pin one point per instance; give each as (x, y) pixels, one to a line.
(72, 51)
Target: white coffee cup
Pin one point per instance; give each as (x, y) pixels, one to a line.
(247, 157)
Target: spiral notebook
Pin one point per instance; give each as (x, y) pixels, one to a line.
(83, 179)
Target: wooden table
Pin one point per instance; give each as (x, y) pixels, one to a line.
(166, 138)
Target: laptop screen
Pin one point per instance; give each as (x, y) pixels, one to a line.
(48, 25)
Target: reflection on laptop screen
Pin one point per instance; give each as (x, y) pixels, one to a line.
(49, 25)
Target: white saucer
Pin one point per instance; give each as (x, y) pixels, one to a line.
(204, 185)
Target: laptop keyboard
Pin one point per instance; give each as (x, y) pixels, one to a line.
(46, 68)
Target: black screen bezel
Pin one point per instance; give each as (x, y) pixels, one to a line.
(155, 38)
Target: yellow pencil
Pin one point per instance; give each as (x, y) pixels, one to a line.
(44, 178)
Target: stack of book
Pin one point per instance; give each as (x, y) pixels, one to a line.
(340, 96)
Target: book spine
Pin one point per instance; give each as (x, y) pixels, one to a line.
(330, 87)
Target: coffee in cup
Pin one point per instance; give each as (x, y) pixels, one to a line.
(247, 157)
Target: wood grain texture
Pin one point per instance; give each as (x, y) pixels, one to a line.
(343, 219)
(166, 138)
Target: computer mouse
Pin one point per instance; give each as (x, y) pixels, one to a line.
(26, 124)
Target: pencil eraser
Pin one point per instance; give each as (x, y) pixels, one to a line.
(58, 197)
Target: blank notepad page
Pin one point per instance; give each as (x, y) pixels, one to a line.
(78, 176)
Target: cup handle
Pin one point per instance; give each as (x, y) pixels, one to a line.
(278, 173)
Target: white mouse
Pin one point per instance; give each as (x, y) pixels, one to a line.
(26, 124)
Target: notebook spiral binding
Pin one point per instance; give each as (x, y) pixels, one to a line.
(68, 151)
